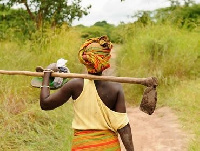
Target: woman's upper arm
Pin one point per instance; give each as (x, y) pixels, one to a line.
(120, 103)
(59, 97)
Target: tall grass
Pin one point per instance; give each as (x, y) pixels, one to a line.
(163, 51)
(184, 99)
(173, 56)
(23, 125)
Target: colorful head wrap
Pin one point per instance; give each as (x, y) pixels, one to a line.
(95, 54)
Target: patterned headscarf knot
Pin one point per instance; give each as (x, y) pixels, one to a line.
(95, 54)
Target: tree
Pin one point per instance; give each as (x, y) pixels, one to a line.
(101, 23)
(174, 3)
(52, 11)
(143, 17)
(188, 2)
(15, 23)
(187, 15)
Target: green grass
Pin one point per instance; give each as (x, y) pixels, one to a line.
(173, 56)
(23, 125)
(185, 100)
(163, 51)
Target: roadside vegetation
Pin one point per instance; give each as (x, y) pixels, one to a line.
(169, 50)
(23, 125)
(171, 55)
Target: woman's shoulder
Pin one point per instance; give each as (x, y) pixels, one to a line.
(114, 86)
(76, 81)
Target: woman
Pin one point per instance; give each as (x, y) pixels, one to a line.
(99, 106)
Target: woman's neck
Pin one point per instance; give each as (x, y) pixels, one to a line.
(97, 74)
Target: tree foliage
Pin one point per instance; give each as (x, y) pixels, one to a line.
(102, 23)
(15, 23)
(143, 17)
(177, 3)
(98, 29)
(187, 16)
(54, 12)
(184, 15)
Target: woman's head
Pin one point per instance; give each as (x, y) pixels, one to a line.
(95, 54)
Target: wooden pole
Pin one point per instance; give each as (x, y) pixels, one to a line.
(143, 81)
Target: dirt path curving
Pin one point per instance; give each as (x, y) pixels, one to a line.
(160, 131)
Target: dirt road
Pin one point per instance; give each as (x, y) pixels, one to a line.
(158, 132)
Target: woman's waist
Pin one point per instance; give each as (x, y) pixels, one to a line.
(92, 132)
